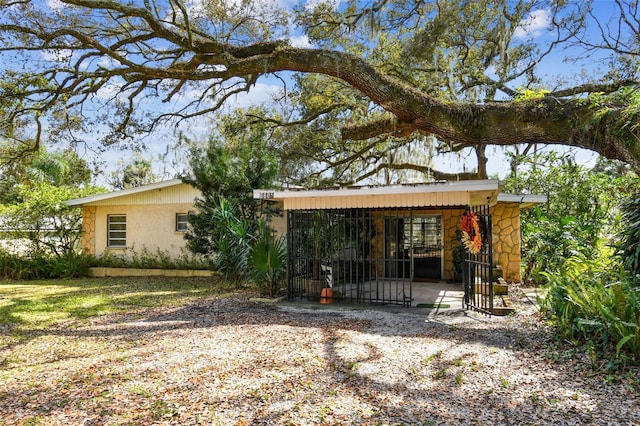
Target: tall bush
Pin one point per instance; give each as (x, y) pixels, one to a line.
(629, 237)
(222, 234)
(580, 216)
(237, 159)
(595, 301)
(43, 218)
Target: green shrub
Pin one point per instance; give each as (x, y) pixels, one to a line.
(267, 261)
(629, 244)
(221, 233)
(148, 260)
(596, 302)
(40, 266)
(581, 213)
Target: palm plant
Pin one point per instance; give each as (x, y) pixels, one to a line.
(267, 261)
(223, 235)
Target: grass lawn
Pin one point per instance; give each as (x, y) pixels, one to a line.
(39, 304)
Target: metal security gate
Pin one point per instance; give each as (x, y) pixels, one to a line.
(330, 249)
(478, 266)
(363, 255)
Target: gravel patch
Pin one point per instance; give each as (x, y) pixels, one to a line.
(232, 362)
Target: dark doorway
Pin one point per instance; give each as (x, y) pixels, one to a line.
(397, 263)
(413, 247)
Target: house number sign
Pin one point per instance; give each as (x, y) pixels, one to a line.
(266, 195)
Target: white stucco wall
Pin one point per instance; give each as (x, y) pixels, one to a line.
(151, 219)
(151, 226)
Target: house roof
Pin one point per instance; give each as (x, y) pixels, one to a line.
(435, 194)
(118, 196)
(525, 200)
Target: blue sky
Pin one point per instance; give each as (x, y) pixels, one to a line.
(553, 67)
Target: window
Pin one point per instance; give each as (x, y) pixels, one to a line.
(117, 230)
(181, 222)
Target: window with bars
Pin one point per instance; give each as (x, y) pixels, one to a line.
(116, 230)
(181, 222)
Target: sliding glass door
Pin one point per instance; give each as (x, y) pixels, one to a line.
(413, 247)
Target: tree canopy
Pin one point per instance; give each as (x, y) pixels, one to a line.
(362, 81)
(57, 168)
(137, 171)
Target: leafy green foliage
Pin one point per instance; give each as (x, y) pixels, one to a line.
(234, 162)
(579, 217)
(35, 218)
(267, 261)
(232, 241)
(237, 160)
(59, 168)
(137, 171)
(48, 224)
(146, 259)
(596, 302)
(41, 266)
(238, 247)
(606, 107)
(629, 243)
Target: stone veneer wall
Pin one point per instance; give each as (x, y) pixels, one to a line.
(506, 239)
(451, 220)
(89, 229)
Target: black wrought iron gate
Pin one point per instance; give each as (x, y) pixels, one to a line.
(478, 261)
(363, 255)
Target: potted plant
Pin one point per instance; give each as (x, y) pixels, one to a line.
(318, 234)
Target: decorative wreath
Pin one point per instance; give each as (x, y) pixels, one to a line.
(471, 234)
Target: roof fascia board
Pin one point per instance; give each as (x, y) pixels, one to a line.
(124, 192)
(457, 186)
(526, 200)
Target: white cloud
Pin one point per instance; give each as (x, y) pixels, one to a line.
(55, 5)
(58, 55)
(300, 41)
(109, 91)
(534, 25)
(259, 94)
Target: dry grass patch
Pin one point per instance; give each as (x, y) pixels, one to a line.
(185, 352)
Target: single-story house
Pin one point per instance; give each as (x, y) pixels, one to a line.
(151, 217)
(370, 243)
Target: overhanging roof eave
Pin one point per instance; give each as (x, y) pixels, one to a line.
(123, 193)
(525, 200)
(457, 186)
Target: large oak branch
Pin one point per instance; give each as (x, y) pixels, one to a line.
(548, 120)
